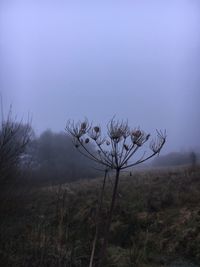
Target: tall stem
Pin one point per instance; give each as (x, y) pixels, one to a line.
(110, 215)
(97, 220)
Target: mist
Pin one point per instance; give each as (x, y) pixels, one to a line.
(99, 133)
(137, 60)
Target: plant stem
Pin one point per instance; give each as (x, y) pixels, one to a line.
(98, 219)
(110, 215)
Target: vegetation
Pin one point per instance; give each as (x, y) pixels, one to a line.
(43, 223)
(43, 158)
(53, 155)
(14, 139)
(156, 220)
(115, 152)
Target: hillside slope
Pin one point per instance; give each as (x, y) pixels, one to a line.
(156, 221)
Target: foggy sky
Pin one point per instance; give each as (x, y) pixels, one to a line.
(138, 60)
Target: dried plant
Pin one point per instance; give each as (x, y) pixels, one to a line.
(14, 138)
(115, 152)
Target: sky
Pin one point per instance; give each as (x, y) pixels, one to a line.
(138, 60)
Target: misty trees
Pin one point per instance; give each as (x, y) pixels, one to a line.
(54, 158)
(14, 138)
(115, 152)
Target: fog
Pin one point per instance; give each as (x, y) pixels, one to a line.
(138, 60)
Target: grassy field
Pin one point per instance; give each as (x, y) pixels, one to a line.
(156, 221)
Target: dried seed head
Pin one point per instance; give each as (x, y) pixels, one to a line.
(136, 133)
(87, 140)
(96, 129)
(83, 125)
(116, 134)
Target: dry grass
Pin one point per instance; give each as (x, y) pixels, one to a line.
(157, 218)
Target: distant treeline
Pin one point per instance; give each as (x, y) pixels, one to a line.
(52, 156)
(177, 158)
(48, 157)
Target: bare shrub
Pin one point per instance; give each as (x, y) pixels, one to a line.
(14, 138)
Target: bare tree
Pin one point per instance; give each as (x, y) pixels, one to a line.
(14, 138)
(114, 152)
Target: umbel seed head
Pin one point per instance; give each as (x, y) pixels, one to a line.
(118, 147)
